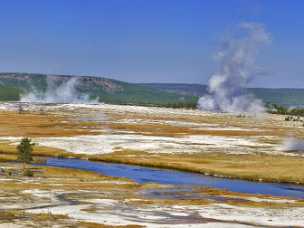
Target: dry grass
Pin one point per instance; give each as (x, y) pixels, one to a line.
(175, 131)
(244, 200)
(250, 167)
(38, 125)
(273, 125)
(52, 172)
(47, 178)
(256, 167)
(9, 150)
(164, 129)
(43, 217)
(7, 157)
(10, 215)
(272, 205)
(236, 200)
(96, 225)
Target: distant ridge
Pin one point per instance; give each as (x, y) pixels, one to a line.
(14, 85)
(282, 96)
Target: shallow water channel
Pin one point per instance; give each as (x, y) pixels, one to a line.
(183, 179)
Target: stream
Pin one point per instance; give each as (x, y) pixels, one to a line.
(142, 175)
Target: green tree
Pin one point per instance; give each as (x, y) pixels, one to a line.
(25, 149)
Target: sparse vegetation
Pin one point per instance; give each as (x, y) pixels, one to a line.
(278, 109)
(184, 105)
(28, 173)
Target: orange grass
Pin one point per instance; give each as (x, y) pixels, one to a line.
(38, 125)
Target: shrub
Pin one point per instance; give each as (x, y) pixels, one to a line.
(28, 173)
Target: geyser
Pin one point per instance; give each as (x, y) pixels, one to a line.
(227, 87)
(58, 92)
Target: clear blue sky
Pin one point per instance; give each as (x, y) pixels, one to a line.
(146, 40)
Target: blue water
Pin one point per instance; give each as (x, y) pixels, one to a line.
(163, 176)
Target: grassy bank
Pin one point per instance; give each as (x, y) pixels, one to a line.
(257, 167)
(252, 167)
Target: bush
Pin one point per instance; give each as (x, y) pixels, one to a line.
(28, 173)
(288, 118)
(60, 156)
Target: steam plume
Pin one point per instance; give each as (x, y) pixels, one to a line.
(237, 68)
(292, 144)
(66, 92)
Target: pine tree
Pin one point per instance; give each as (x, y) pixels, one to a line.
(25, 149)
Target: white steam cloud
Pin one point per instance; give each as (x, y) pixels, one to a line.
(227, 87)
(292, 145)
(65, 92)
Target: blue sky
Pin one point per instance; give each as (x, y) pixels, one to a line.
(146, 40)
